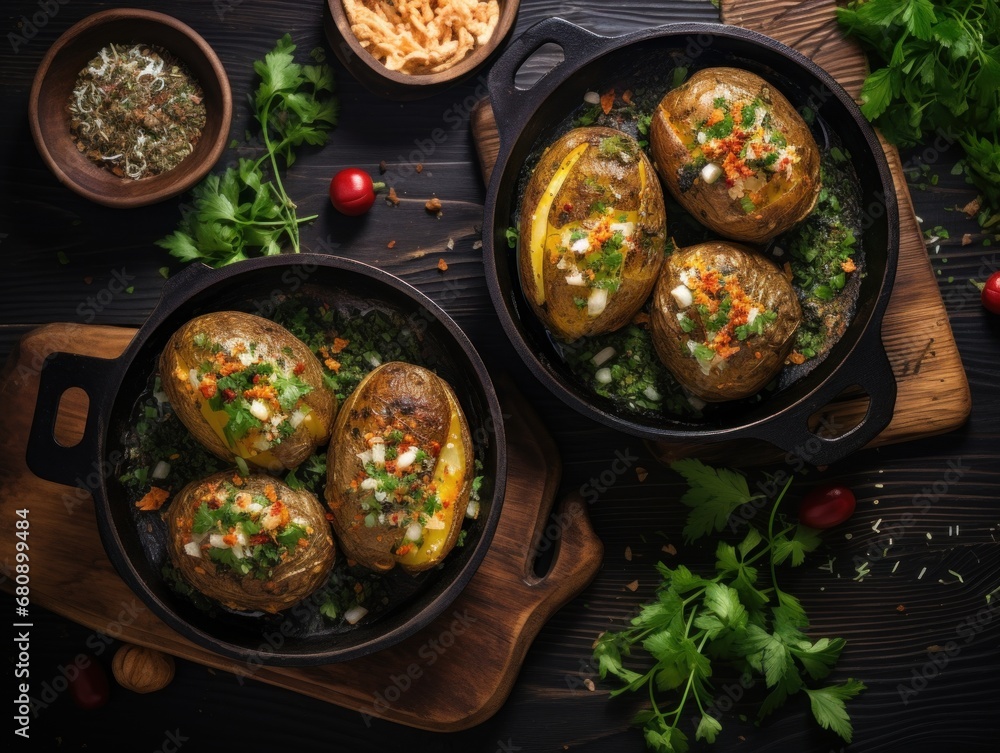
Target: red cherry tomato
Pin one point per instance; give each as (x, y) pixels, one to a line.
(88, 683)
(826, 506)
(991, 293)
(352, 191)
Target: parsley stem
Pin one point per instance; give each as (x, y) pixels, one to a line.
(770, 537)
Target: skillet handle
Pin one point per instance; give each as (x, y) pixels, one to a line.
(47, 459)
(510, 103)
(872, 372)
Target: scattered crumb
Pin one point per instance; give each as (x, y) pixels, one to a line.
(382, 167)
(589, 684)
(972, 208)
(433, 204)
(628, 553)
(935, 648)
(450, 245)
(390, 244)
(442, 265)
(669, 549)
(420, 167)
(392, 198)
(627, 96)
(607, 101)
(641, 472)
(967, 239)
(477, 245)
(154, 499)
(633, 586)
(797, 358)
(88, 279)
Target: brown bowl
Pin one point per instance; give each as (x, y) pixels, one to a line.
(396, 85)
(54, 82)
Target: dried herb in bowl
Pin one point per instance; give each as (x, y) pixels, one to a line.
(136, 110)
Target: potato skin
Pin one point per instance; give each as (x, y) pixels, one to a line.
(673, 141)
(304, 570)
(766, 287)
(598, 176)
(418, 403)
(192, 344)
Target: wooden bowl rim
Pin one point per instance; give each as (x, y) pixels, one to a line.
(508, 15)
(163, 186)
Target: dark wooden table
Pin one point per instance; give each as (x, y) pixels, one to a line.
(61, 256)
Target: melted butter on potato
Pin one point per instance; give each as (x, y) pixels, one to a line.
(593, 227)
(247, 388)
(399, 469)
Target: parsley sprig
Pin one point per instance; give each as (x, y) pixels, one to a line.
(940, 73)
(740, 617)
(241, 210)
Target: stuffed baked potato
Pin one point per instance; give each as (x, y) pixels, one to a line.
(592, 232)
(249, 543)
(734, 152)
(723, 319)
(399, 469)
(246, 387)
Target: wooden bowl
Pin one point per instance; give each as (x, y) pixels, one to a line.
(54, 82)
(396, 85)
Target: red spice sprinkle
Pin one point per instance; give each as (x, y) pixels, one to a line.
(299, 368)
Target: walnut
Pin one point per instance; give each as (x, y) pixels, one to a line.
(141, 669)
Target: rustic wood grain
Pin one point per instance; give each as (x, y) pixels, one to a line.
(933, 394)
(498, 614)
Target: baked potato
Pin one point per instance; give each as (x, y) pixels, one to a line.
(249, 543)
(247, 388)
(399, 469)
(723, 319)
(592, 232)
(734, 152)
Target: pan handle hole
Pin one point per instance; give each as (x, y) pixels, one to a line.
(71, 417)
(842, 414)
(540, 62)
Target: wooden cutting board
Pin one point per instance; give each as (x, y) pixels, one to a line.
(457, 672)
(932, 388)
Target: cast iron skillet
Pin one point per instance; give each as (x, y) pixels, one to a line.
(527, 119)
(113, 387)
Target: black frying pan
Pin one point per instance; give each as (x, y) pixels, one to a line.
(529, 118)
(113, 387)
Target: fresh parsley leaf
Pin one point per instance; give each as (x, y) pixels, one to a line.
(239, 212)
(713, 496)
(696, 620)
(828, 708)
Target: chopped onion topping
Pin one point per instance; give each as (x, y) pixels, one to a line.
(752, 314)
(365, 457)
(192, 548)
(162, 470)
(353, 615)
(651, 393)
(682, 294)
(711, 172)
(702, 137)
(603, 376)
(592, 98)
(405, 460)
(193, 376)
(472, 511)
(259, 411)
(369, 484)
(597, 301)
(216, 541)
(413, 531)
(296, 418)
(575, 279)
(603, 355)
(378, 452)
(580, 246)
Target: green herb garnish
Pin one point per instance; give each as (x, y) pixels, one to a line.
(240, 210)
(939, 75)
(738, 617)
